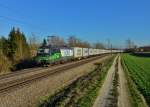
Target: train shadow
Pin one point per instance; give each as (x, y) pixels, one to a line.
(24, 64)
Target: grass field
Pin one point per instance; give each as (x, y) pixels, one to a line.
(139, 71)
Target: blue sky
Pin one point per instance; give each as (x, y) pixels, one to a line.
(90, 20)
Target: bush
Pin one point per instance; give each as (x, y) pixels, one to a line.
(5, 64)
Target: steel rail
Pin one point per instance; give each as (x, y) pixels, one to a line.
(4, 87)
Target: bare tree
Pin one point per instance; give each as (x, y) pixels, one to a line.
(56, 41)
(72, 41)
(86, 44)
(75, 42)
(33, 44)
(99, 45)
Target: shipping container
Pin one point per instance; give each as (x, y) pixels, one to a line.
(97, 51)
(77, 52)
(85, 52)
(94, 51)
(66, 52)
(91, 51)
(100, 51)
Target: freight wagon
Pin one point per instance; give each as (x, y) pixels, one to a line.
(66, 54)
(85, 52)
(77, 52)
(91, 52)
(52, 55)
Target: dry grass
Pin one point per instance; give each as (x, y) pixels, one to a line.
(5, 64)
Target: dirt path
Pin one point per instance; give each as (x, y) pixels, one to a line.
(104, 94)
(123, 98)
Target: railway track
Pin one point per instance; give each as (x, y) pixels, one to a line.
(24, 71)
(10, 85)
(16, 73)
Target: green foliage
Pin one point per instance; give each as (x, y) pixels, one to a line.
(4, 46)
(18, 47)
(5, 64)
(14, 49)
(139, 72)
(88, 99)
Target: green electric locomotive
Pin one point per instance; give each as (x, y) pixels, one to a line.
(50, 55)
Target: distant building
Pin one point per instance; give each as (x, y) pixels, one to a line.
(143, 49)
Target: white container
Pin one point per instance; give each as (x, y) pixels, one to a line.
(91, 52)
(66, 52)
(97, 51)
(104, 51)
(94, 51)
(77, 52)
(85, 52)
(100, 51)
(107, 51)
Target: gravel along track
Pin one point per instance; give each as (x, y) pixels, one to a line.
(28, 95)
(30, 71)
(11, 82)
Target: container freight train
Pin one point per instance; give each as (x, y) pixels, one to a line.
(53, 55)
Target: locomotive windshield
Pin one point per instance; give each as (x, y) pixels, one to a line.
(43, 51)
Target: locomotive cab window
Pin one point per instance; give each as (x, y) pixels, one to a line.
(43, 51)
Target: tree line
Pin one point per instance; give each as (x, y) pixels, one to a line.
(13, 50)
(72, 41)
(16, 51)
